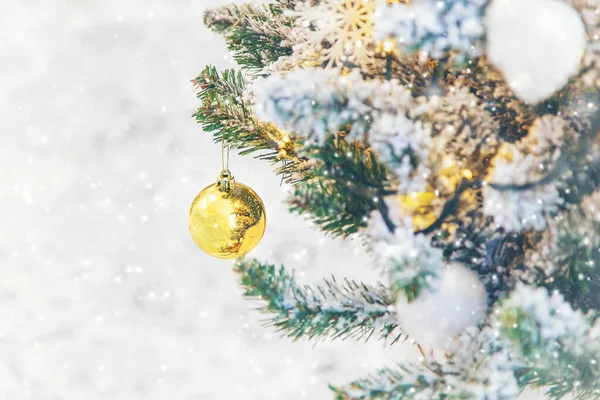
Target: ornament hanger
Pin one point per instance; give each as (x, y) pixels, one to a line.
(224, 155)
(225, 181)
(227, 218)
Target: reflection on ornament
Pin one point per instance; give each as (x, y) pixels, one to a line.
(227, 219)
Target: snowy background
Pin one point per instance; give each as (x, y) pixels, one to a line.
(103, 294)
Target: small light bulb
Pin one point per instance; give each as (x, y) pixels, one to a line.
(388, 46)
(466, 173)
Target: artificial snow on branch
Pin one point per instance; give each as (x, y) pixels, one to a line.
(316, 102)
(434, 27)
(409, 260)
(567, 256)
(333, 310)
(463, 137)
(255, 33)
(560, 346)
(397, 128)
(226, 115)
(480, 367)
(372, 111)
(520, 195)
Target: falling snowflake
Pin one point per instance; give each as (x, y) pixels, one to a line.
(333, 32)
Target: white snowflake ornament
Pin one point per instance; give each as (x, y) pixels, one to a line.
(456, 301)
(333, 32)
(537, 44)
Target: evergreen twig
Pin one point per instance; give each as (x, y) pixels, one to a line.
(255, 33)
(333, 310)
(345, 185)
(226, 115)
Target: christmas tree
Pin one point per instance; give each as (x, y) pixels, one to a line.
(458, 141)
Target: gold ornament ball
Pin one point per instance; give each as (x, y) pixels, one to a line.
(227, 220)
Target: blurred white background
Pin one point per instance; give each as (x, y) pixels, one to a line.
(103, 294)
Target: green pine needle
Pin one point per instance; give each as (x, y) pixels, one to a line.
(332, 310)
(229, 117)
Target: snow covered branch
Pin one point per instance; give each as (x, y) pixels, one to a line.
(480, 367)
(227, 116)
(254, 33)
(560, 346)
(333, 310)
(527, 161)
(409, 260)
(316, 102)
(434, 27)
(414, 125)
(567, 256)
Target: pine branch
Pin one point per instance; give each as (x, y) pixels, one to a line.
(582, 159)
(577, 171)
(256, 34)
(331, 103)
(332, 310)
(514, 116)
(405, 382)
(226, 115)
(559, 346)
(493, 254)
(577, 275)
(482, 361)
(345, 185)
(567, 256)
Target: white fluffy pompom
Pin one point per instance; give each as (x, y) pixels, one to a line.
(458, 301)
(537, 44)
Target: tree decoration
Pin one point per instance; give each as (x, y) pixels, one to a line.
(452, 301)
(227, 219)
(523, 42)
(334, 32)
(588, 9)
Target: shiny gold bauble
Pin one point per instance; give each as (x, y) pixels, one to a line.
(227, 219)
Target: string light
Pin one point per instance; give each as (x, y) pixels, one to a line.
(388, 46)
